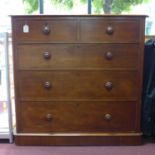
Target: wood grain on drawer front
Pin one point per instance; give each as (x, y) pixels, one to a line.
(37, 117)
(42, 85)
(60, 30)
(121, 31)
(74, 56)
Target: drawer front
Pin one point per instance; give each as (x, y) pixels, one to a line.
(77, 85)
(75, 56)
(78, 117)
(59, 30)
(110, 30)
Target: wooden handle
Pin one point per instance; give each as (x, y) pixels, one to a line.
(108, 85)
(46, 29)
(109, 30)
(48, 117)
(47, 85)
(107, 117)
(108, 55)
(46, 55)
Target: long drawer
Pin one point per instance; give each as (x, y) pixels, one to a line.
(75, 56)
(41, 85)
(80, 117)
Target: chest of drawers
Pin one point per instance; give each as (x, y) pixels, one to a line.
(78, 79)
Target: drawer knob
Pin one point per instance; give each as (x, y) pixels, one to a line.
(46, 29)
(107, 117)
(47, 85)
(48, 117)
(108, 55)
(108, 85)
(46, 55)
(109, 30)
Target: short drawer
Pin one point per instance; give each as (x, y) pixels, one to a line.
(41, 85)
(45, 30)
(108, 30)
(76, 56)
(77, 117)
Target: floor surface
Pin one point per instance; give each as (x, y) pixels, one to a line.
(148, 148)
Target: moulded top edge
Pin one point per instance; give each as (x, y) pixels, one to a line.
(84, 15)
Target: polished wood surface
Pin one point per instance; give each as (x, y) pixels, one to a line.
(79, 29)
(78, 79)
(75, 56)
(77, 85)
(60, 30)
(109, 30)
(77, 117)
(80, 140)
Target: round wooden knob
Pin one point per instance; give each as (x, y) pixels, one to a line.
(108, 55)
(46, 29)
(108, 85)
(48, 117)
(109, 30)
(107, 117)
(47, 85)
(47, 55)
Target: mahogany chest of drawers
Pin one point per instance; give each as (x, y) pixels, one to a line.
(78, 79)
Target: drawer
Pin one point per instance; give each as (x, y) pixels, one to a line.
(59, 30)
(106, 30)
(65, 85)
(43, 117)
(75, 56)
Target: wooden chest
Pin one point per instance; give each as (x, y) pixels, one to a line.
(78, 79)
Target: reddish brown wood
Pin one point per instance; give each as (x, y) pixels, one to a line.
(47, 55)
(77, 140)
(68, 56)
(78, 74)
(77, 85)
(109, 55)
(110, 30)
(46, 29)
(77, 117)
(56, 30)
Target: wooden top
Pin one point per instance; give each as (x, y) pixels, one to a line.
(84, 15)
